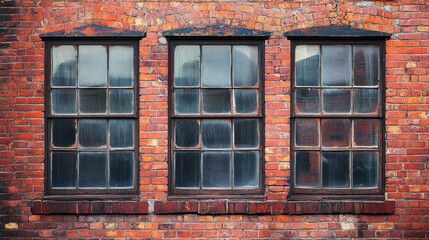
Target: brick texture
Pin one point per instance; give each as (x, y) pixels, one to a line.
(23, 214)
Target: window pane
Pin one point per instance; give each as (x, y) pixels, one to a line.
(63, 101)
(336, 65)
(366, 101)
(365, 65)
(216, 101)
(121, 133)
(121, 65)
(92, 169)
(336, 101)
(307, 132)
(187, 101)
(187, 171)
(92, 101)
(64, 65)
(64, 132)
(121, 100)
(246, 66)
(187, 66)
(187, 133)
(246, 172)
(336, 133)
(307, 165)
(216, 133)
(335, 169)
(92, 133)
(216, 66)
(246, 133)
(307, 68)
(307, 101)
(64, 169)
(365, 169)
(92, 66)
(216, 169)
(121, 169)
(366, 132)
(246, 101)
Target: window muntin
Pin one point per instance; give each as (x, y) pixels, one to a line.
(337, 118)
(92, 117)
(216, 117)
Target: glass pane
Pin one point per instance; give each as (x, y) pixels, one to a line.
(216, 169)
(63, 101)
(307, 68)
(216, 101)
(366, 101)
(365, 65)
(335, 169)
(307, 132)
(187, 171)
(216, 66)
(92, 133)
(307, 101)
(336, 133)
(365, 169)
(92, 66)
(336, 101)
(92, 169)
(246, 133)
(121, 133)
(64, 169)
(121, 100)
(246, 65)
(216, 133)
(187, 133)
(92, 101)
(64, 65)
(121, 169)
(366, 132)
(246, 173)
(187, 101)
(187, 65)
(246, 101)
(64, 132)
(121, 65)
(336, 65)
(307, 165)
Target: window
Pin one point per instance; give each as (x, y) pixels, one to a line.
(216, 117)
(91, 116)
(337, 118)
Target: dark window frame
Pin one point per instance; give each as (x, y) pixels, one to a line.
(254, 193)
(97, 193)
(377, 193)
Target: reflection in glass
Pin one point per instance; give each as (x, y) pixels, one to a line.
(216, 169)
(216, 101)
(307, 101)
(64, 169)
(92, 132)
(216, 66)
(246, 66)
(121, 169)
(365, 169)
(187, 101)
(63, 132)
(306, 132)
(366, 101)
(92, 66)
(246, 172)
(187, 169)
(366, 132)
(187, 65)
(307, 69)
(121, 133)
(335, 169)
(92, 169)
(63, 101)
(336, 132)
(365, 65)
(216, 133)
(64, 65)
(187, 133)
(336, 101)
(336, 65)
(92, 101)
(246, 133)
(307, 165)
(121, 100)
(121, 65)
(245, 101)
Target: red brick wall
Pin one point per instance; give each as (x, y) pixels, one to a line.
(22, 122)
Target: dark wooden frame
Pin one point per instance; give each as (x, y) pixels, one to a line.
(340, 193)
(95, 193)
(175, 193)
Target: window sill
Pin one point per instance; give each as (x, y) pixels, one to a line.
(217, 207)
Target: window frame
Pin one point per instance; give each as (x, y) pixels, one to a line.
(91, 192)
(308, 193)
(177, 193)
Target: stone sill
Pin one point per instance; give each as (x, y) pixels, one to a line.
(47, 207)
